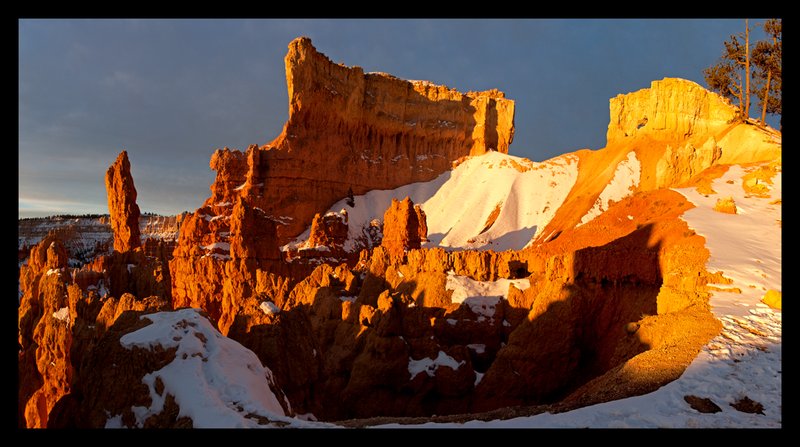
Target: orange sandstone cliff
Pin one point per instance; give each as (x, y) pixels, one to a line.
(350, 129)
(676, 129)
(616, 306)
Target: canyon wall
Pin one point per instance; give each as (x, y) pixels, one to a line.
(350, 130)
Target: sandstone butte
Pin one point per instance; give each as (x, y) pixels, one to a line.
(617, 306)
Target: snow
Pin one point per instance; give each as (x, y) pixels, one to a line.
(217, 256)
(458, 203)
(744, 360)
(130, 266)
(351, 299)
(53, 272)
(215, 381)
(478, 377)
(482, 297)
(269, 308)
(745, 246)
(625, 180)
(62, 314)
(479, 348)
(224, 246)
(223, 204)
(103, 291)
(114, 422)
(429, 365)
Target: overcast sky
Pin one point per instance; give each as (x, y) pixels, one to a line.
(170, 92)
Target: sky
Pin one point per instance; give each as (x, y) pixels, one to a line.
(170, 92)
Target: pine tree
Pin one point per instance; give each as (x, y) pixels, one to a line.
(730, 77)
(767, 60)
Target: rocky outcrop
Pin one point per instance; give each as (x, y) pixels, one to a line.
(329, 230)
(677, 130)
(122, 205)
(680, 164)
(253, 234)
(772, 299)
(353, 130)
(686, 129)
(137, 377)
(725, 205)
(348, 132)
(62, 314)
(404, 227)
(64, 311)
(671, 109)
(222, 258)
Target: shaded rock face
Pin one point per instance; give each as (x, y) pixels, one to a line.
(122, 205)
(404, 227)
(353, 130)
(112, 388)
(359, 336)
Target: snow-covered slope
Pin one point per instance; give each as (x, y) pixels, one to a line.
(745, 360)
(520, 195)
(626, 179)
(216, 382)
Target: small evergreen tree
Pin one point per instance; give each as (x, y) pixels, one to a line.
(768, 59)
(730, 77)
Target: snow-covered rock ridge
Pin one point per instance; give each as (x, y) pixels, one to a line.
(494, 201)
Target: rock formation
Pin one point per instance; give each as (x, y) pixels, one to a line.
(122, 205)
(378, 131)
(328, 230)
(615, 306)
(353, 130)
(404, 227)
(677, 129)
(671, 109)
(60, 319)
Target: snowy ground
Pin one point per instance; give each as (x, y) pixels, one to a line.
(215, 381)
(458, 203)
(625, 180)
(744, 360)
(482, 297)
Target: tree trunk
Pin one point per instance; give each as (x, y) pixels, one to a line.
(740, 95)
(746, 69)
(766, 99)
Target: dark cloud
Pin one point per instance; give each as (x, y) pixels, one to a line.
(172, 91)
